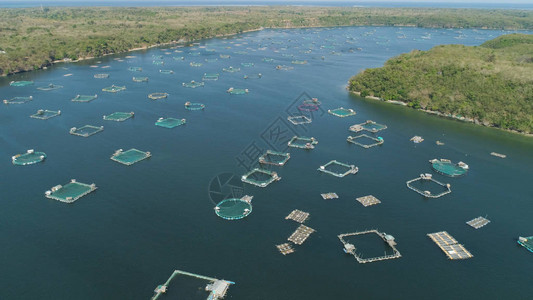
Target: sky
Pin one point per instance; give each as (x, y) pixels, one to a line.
(281, 1)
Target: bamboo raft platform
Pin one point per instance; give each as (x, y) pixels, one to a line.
(285, 248)
(450, 246)
(478, 222)
(217, 287)
(368, 200)
(298, 216)
(301, 234)
(387, 238)
(328, 196)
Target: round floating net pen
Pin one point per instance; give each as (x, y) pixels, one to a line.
(18, 100)
(284, 68)
(266, 59)
(20, 83)
(158, 62)
(211, 60)
(156, 96)
(29, 158)
(84, 98)
(50, 87)
(114, 89)
(166, 72)
(135, 69)
(312, 101)
(193, 84)
(448, 168)
(253, 76)
(140, 79)
(247, 64)
(210, 76)
(299, 62)
(194, 106)
(224, 56)
(195, 64)
(234, 208)
(178, 58)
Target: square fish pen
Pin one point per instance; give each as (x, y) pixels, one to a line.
(70, 192)
(301, 234)
(428, 179)
(365, 141)
(119, 116)
(114, 89)
(449, 245)
(368, 200)
(84, 98)
(217, 288)
(298, 216)
(86, 130)
(129, 157)
(274, 158)
(18, 100)
(260, 177)
(29, 158)
(338, 169)
(478, 222)
(50, 87)
(170, 122)
(342, 112)
(387, 238)
(210, 76)
(45, 114)
(302, 142)
(369, 125)
(299, 120)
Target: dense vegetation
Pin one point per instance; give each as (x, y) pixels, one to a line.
(491, 84)
(35, 37)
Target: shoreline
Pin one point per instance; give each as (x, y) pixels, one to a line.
(441, 114)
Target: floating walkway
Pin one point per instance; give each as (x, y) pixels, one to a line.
(329, 196)
(357, 140)
(342, 112)
(45, 114)
(299, 120)
(387, 238)
(70, 192)
(342, 169)
(129, 157)
(368, 200)
(18, 100)
(301, 234)
(86, 131)
(302, 142)
(217, 287)
(450, 246)
(429, 178)
(119, 116)
(50, 87)
(478, 222)
(254, 177)
(526, 242)
(446, 167)
(170, 122)
(234, 208)
(285, 248)
(274, 158)
(114, 89)
(194, 106)
(84, 98)
(298, 216)
(369, 125)
(29, 158)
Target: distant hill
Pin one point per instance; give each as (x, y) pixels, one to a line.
(491, 84)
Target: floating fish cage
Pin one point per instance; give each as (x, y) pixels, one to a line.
(129, 157)
(156, 96)
(301, 234)
(114, 89)
(260, 177)
(217, 288)
(86, 131)
(193, 84)
(338, 169)
(235, 91)
(50, 87)
(170, 122)
(417, 139)
(449, 245)
(240, 52)
(368, 200)
(369, 126)
(299, 62)
(157, 56)
(426, 179)
(247, 64)
(298, 216)
(119, 116)
(45, 114)
(231, 69)
(266, 59)
(387, 238)
(158, 62)
(299, 120)
(29, 158)
(194, 53)
(285, 248)
(166, 72)
(365, 141)
(84, 98)
(210, 76)
(284, 68)
(18, 100)
(274, 158)
(342, 112)
(526, 242)
(307, 107)
(70, 192)
(135, 69)
(140, 79)
(101, 76)
(253, 76)
(194, 106)
(302, 142)
(312, 101)
(448, 168)
(234, 208)
(195, 64)
(224, 56)
(178, 58)
(329, 196)
(20, 83)
(478, 222)
(210, 60)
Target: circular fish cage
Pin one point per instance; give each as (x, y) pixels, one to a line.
(233, 209)
(155, 96)
(448, 168)
(308, 107)
(194, 106)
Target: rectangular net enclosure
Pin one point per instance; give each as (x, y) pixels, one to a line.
(253, 76)
(114, 89)
(390, 253)
(50, 87)
(210, 76)
(86, 130)
(18, 100)
(70, 192)
(478, 222)
(298, 216)
(157, 96)
(224, 56)
(21, 83)
(342, 112)
(129, 157)
(101, 76)
(170, 122)
(214, 290)
(274, 158)
(119, 116)
(365, 141)
(140, 79)
(301, 234)
(260, 177)
(284, 68)
(45, 114)
(29, 158)
(178, 58)
(299, 120)
(338, 169)
(449, 245)
(84, 98)
(369, 126)
(302, 142)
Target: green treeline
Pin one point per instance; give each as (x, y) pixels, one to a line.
(491, 84)
(35, 37)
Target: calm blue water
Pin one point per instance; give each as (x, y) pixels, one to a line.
(148, 219)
